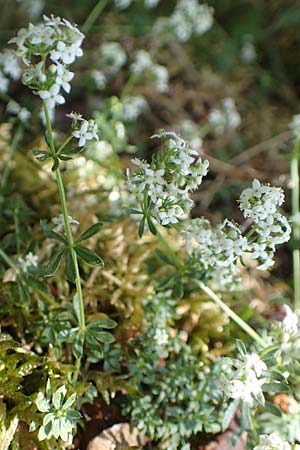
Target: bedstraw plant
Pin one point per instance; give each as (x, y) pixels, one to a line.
(170, 390)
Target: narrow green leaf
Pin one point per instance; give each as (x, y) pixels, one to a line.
(103, 336)
(70, 268)
(55, 164)
(132, 211)
(178, 288)
(76, 306)
(42, 158)
(164, 258)
(246, 420)
(77, 346)
(142, 227)
(64, 158)
(229, 413)
(275, 388)
(47, 139)
(151, 226)
(72, 151)
(102, 323)
(88, 255)
(90, 232)
(52, 234)
(241, 348)
(54, 263)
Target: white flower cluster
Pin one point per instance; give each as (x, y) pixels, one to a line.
(14, 108)
(290, 337)
(132, 107)
(215, 250)
(59, 222)
(225, 118)
(169, 179)
(294, 125)
(246, 379)
(274, 442)
(143, 62)
(58, 40)
(188, 18)
(9, 69)
(112, 56)
(28, 262)
(83, 130)
(260, 203)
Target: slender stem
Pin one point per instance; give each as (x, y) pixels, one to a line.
(174, 258)
(69, 138)
(70, 240)
(240, 322)
(296, 221)
(230, 313)
(68, 231)
(93, 16)
(7, 259)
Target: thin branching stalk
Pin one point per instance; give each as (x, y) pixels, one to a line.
(93, 16)
(230, 313)
(296, 225)
(68, 230)
(227, 310)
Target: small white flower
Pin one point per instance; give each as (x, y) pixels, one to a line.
(161, 336)
(290, 322)
(63, 77)
(28, 262)
(272, 442)
(225, 118)
(66, 53)
(88, 130)
(52, 96)
(59, 222)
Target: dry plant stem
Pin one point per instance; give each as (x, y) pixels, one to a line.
(228, 311)
(93, 16)
(296, 225)
(68, 231)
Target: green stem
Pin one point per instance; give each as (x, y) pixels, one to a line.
(228, 311)
(240, 322)
(69, 138)
(93, 16)
(70, 240)
(296, 225)
(174, 258)
(68, 231)
(7, 259)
